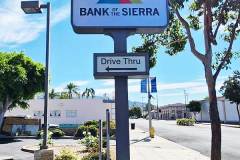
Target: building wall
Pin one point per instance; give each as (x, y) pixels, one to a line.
(69, 111)
(173, 111)
(227, 111)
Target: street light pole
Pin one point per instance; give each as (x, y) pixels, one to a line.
(33, 7)
(149, 105)
(46, 97)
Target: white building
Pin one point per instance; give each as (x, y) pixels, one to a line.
(227, 111)
(65, 112)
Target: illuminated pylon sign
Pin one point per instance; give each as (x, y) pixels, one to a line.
(119, 1)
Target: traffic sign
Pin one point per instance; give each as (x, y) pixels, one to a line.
(107, 66)
(95, 16)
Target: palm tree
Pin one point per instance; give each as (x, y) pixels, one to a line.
(72, 88)
(89, 92)
(53, 94)
(64, 95)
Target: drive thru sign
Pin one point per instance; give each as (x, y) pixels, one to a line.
(119, 19)
(94, 16)
(131, 65)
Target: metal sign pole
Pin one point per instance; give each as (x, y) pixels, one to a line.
(149, 105)
(121, 99)
(100, 139)
(108, 133)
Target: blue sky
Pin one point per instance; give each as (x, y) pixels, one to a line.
(71, 55)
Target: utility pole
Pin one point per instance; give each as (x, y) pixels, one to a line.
(185, 97)
(157, 107)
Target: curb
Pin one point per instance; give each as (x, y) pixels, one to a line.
(34, 137)
(225, 125)
(26, 149)
(6, 157)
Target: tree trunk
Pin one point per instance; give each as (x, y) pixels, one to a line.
(1, 119)
(4, 108)
(2, 113)
(238, 114)
(214, 116)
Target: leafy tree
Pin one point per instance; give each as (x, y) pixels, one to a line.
(89, 92)
(53, 94)
(72, 88)
(135, 112)
(20, 80)
(208, 17)
(231, 90)
(194, 106)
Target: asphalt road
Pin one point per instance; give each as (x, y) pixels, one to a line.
(13, 148)
(196, 137)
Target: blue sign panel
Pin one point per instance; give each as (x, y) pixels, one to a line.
(153, 85)
(144, 86)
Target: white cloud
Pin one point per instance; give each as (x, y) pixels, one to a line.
(18, 28)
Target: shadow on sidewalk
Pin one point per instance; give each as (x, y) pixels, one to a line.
(146, 139)
(6, 141)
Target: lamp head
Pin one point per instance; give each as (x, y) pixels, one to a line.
(31, 7)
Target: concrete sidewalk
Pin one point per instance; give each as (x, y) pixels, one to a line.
(145, 148)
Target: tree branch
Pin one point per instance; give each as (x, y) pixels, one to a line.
(190, 38)
(177, 41)
(228, 52)
(220, 19)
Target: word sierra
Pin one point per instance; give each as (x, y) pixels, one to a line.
(123, 12)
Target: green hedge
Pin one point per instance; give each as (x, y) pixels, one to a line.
(92, 129)
(57, 132)
(185, 122)
(91, 123)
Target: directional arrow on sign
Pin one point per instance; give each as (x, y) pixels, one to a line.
(119, 69)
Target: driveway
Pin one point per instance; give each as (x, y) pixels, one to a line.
(13, 147)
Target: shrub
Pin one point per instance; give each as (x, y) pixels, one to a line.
(57, 133)
(112, 124)
(94, 156)
(79, 132)
(49, 140)
(185, 122)
(90, 123)
(92, 129)
(67, 154)
(90, 142)
(112, 132)
(112, 128)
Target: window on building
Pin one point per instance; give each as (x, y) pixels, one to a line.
(37, 113)
(55, 113)
(71, 113)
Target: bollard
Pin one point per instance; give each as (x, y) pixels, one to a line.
(108, 133)
(100, 140)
